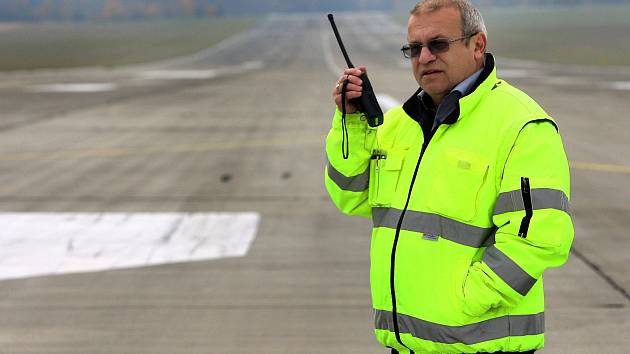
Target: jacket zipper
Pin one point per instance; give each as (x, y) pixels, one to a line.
(529, 210)
(395, 244)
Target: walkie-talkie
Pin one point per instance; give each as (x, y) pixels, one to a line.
(367, 102)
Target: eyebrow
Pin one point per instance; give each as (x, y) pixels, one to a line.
(438, 36)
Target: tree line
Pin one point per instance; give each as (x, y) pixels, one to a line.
(80, 10)
(77, 10)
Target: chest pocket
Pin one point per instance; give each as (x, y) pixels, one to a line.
(456, 186)
(385, 170)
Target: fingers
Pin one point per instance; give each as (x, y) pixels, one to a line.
(354, 83)
(352, 75)
(350, 108)
(355, 71)
(350, 87)
(350, 94)
(353, 89)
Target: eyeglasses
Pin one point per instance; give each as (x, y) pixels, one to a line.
(435, 46)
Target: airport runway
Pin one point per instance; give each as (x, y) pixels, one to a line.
(240, 128)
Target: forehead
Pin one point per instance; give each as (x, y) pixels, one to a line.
(444, 22)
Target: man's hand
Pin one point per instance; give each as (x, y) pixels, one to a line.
(352, 91)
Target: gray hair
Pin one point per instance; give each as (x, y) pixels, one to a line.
(472, 22)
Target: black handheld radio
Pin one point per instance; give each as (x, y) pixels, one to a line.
(367, 103)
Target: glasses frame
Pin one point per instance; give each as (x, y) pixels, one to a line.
(408, 47)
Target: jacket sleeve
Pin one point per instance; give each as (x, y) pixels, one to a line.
(534, 227)
(347, 180)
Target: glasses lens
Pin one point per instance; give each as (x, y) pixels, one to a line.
(406, 50)
(438, 46)
(415, 49)
(411, 50)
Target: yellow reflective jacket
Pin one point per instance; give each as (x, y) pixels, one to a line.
(464, 226)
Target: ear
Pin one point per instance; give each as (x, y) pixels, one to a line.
(480, 41)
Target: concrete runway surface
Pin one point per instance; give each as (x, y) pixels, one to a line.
(240, 128)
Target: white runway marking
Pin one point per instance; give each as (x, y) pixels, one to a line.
(37, 244)
(179, 74)
(387, 102)
(564, 81)
(621, 85)
(514, 73)
(200, 74)
(253, 65)
(73, 88)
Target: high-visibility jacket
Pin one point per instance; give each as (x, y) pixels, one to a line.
(464, 226)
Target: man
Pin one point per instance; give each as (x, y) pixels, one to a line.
(467, 185)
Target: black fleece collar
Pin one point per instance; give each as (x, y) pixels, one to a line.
(448, 111)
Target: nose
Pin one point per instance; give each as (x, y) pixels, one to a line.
(425, 56)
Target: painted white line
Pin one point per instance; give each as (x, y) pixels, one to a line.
(387, 102)
(620, 85)
(564, 80)
(38, 244)
(575, 69)
(178, 74)
(514, 73)
(73, 88)
(199, 74)
(253, 65)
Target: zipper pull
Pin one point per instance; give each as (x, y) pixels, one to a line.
(527, 203)
(376, 155)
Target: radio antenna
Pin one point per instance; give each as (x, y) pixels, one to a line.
(343, 49)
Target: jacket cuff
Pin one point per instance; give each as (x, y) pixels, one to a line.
(353, 120)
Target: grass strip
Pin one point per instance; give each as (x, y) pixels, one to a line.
(35, 46)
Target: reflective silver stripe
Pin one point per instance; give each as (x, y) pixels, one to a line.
(495, 328)
(491, 240)
(542, 198)
(432, 224)
(508, 270)
(358, 183)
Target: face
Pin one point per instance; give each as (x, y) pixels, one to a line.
(438, 74)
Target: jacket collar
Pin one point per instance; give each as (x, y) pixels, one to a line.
(454, 106)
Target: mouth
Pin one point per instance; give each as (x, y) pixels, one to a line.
(428, 73)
